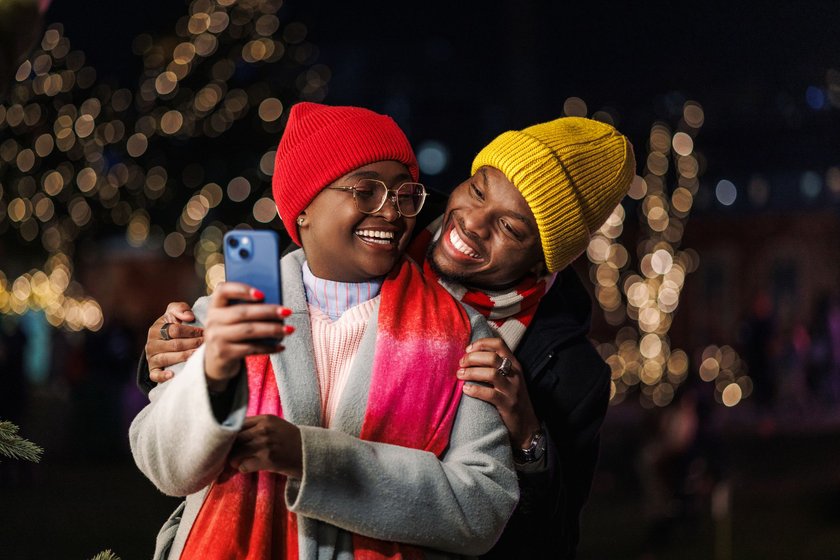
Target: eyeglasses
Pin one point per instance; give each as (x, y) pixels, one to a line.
(370, 196)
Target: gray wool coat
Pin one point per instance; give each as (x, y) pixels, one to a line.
(455, 506)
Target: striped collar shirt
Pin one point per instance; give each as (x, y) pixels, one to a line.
(334, 298)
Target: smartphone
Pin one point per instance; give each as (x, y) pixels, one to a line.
(253, 257)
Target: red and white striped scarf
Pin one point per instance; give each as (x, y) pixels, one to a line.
(509, 312)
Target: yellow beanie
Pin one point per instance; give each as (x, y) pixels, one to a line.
(572, 172)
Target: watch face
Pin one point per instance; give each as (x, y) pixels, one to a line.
(534, 451)
(538, 446)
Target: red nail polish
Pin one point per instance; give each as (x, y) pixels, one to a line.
(257, 294)
(285, 311)
(288, 329)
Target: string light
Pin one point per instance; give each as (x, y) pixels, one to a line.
(86, 159)
(641, 358)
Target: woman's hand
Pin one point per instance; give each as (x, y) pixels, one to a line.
(507, 393)
(235, 331)
(268, 443)
(183, 341)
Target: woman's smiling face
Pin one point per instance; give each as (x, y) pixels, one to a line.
(489, 237)
(345, 245)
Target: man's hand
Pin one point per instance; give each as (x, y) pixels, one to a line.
(507, 393)
(184, 339)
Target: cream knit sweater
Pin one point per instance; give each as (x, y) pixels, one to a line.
(336, 344)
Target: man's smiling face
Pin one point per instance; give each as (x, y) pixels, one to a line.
(489, 237)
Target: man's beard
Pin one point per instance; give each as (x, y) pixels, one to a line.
(445, 276)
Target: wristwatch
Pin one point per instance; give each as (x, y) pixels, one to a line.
(534, 451)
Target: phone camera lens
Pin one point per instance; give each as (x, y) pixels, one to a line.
(233, 242)
(244, 253)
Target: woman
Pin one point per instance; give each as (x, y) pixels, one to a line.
(354, 441)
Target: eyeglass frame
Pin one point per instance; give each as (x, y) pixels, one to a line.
(389, 194)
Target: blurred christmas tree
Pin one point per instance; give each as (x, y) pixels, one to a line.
(171, 163)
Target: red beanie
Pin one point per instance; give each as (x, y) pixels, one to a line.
(321, 144)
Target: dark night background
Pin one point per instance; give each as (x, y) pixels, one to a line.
(463, 72)
(764, 482)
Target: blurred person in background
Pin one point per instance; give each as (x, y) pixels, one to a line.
(678, 466)
(834, 335)
(756, 336)
(822, 357)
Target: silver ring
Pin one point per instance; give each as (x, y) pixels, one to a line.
(504, 368)
(164, 331)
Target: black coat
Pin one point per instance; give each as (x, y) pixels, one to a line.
(569, 386)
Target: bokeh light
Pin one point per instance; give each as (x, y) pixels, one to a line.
(574, 107)
(725, 192)
(642, 358)
(433, 157)
(810, 185)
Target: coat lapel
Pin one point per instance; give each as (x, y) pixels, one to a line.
(294, 368)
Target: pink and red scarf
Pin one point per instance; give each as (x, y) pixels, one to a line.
(508, 312)
(420, 328)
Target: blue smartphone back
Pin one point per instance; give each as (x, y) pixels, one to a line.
(253, 257)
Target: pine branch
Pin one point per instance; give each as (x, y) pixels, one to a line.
(106, 555)
(16, 447)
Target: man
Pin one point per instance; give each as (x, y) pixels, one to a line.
(503, 246)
